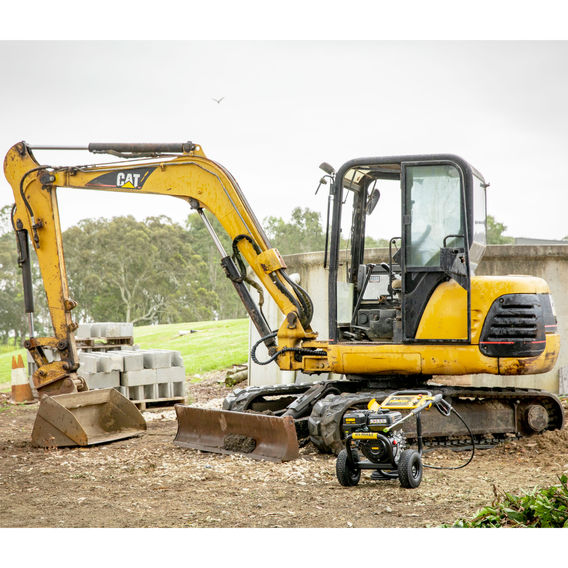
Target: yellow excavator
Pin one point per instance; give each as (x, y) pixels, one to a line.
(392, 325)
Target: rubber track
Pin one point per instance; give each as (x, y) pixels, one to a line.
(242, 399)
(325, 420)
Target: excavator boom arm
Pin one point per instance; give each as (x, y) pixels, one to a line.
(185, 173)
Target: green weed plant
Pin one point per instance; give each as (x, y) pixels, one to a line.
(544, 508)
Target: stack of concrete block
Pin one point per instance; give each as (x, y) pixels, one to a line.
(104, 329)
(101, 370)
(140, 375)
(152, 374)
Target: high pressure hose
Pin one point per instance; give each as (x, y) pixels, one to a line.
(445, 408)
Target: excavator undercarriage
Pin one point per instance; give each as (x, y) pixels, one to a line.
(492, 414)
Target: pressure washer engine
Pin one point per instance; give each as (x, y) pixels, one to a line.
(378, 434)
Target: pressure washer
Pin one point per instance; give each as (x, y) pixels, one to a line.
(377, 433)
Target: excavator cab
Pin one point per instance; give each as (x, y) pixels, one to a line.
(440, 236)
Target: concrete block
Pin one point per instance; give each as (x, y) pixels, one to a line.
(126, 330)
(112, 329)
(164, 390)
(102, 380)
(172, 374)
(178, 389)
(133, 393)
(155, 391)
(177, 359)
(103, 363)
(111, 361)
(132, 360)
(138, 378)
(150, 392)
(83, 331)
(96, 329)
(157, 359)
(174, 389)
(88, 363)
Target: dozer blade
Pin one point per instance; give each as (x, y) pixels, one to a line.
(86, 418)
(257, 436)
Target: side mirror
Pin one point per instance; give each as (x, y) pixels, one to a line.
(327, 168)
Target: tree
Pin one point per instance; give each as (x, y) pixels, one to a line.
(13, 321)
(371, 242)
(140, 272)
(304, 232)
(230, 305)
(5, 222)
(495, 232)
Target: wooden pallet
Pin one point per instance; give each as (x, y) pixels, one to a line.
(103, 343)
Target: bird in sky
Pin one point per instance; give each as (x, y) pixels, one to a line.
(218, 100)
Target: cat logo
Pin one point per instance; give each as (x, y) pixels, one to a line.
(127, 179)
(133, 178)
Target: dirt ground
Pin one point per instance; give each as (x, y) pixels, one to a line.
(150, 482)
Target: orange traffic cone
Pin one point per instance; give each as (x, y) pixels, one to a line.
(21, 389)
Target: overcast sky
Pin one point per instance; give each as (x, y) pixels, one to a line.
(290, 105)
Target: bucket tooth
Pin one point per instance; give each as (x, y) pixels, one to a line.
(85, 419)
(257, 436)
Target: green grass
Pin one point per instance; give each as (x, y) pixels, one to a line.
(215, 345)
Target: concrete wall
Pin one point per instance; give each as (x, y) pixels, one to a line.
(546, 261)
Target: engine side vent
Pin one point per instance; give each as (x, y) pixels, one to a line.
(515, 326)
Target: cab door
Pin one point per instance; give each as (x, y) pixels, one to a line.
(435, 253)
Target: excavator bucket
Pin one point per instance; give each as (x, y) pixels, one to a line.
(257, 436)
(86, 418)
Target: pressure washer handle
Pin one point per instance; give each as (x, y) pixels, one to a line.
(434, 400)
(444, 407)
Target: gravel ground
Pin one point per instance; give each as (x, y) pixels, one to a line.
(149, 482)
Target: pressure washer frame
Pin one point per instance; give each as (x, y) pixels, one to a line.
(413, 400)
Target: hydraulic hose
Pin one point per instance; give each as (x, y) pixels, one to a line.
(304, 298)
(303, 303)
(281, 288)
(299, 350)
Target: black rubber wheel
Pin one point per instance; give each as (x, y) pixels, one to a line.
(346, 474)
(410, 469)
